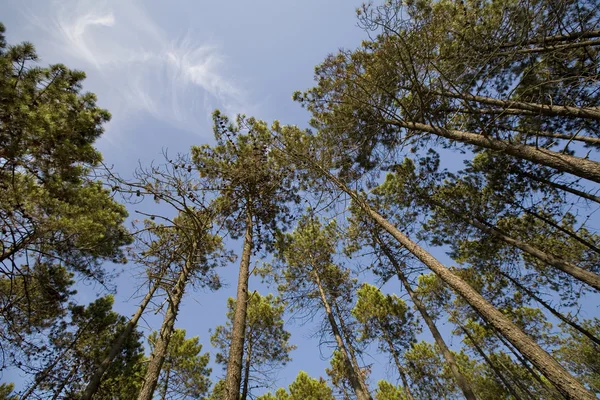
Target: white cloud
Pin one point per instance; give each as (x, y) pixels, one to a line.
(143, 68)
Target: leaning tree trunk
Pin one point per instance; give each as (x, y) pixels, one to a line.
(168, 326)
(559, 376)
(581, 167)
(493, 366)
(233, 376)
(401, 370)
(559, 186)
(350, 348)
(552, 310)
(96, 379)
(576, 272)
(247, 363)
(461, 380)
(354, 378)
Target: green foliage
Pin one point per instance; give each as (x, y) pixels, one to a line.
(387, 391)
(266, 342)
(581, 355)
(250, 175)
(184, 373)
(383, 317)
(303, 388)
(6, 390)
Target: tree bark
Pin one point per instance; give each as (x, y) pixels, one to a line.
(576, 272)
(562, 187)
(157, 358)
(550, 110)
(554, 312)
(351, 349)
(399, 366)
(354, 377)
(555, 373)
(96, 379)
(46, 372)
(233, 376)
(461, 380)
(561, 162)
(246, 379)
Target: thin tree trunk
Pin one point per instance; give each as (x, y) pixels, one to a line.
(246, 378)
(165, 387)
(354, 377)
(554, 312)
(157, 358)
(551, 110)
(63, 384)
(586, 139)
(461, 380)
(576, 272)
(490, 363)
(562, 187)
(555, 373)
(399, 366)
(581, 167)
(555, 225)
(233, 376)
(46, 372)
(117, 345)
(350, 348)
(555, 38)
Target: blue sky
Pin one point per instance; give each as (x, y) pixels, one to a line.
(161, 67)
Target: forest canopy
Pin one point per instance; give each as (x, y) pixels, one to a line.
(477, 278)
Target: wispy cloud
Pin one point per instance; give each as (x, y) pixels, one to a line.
(144, 69)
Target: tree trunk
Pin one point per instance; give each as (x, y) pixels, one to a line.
(586, 139)
(58, 391)
(490, 363)
(157, 358)
(555, 373)
(96, 379)
(233, 376)
(351, 349)
(550, 110)
(555, 225)
(461, 380)
(576, 272)
(165, 387)
(246, 378)
(561, 162)
(562, 187)
(553, 311)
(399, 366)
(354, 377)
(46, 372)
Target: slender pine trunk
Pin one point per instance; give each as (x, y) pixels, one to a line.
(48, 370)
(497, 372)
(354, 376)
(552, 310)
(576, 272)
(461, 380)
(165, 386)
(233, 376)
(246, 378)
(551, 369)
(581, 167)
(64, 383)
(564, 188)
(350, 348)
(157, 358)
(96, 379)
(399, 366)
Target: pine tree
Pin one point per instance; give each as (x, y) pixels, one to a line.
(266, 342)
